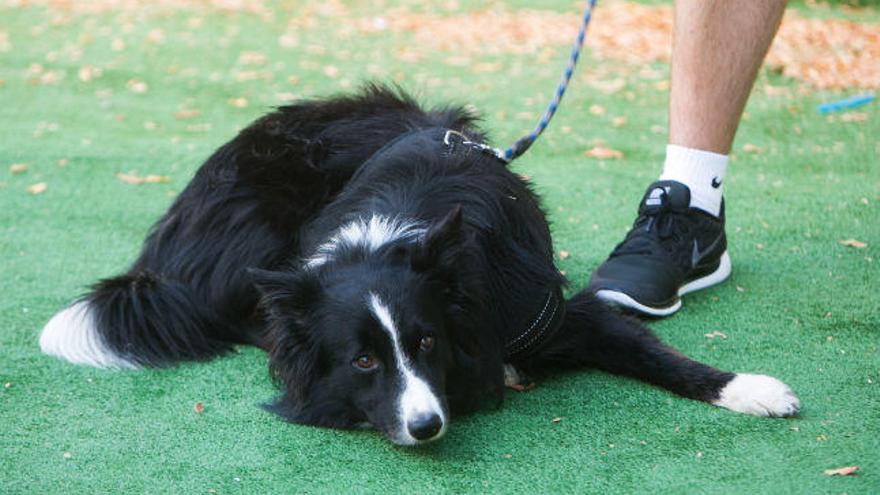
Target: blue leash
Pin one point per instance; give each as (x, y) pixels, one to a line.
(523, 143)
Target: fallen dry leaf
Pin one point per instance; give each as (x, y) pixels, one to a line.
(740, 289)
(853, 243)
(597, 110)
(129, 179)
(86, 73)
(136, 86)
(198, 408)
(603, 153)
(844, 471)
(38, 188)
(239, 102)
(714, 334)
(66, 455)
(618, 121)
(486, 67)
(556, 420)
(564, 255)
(150, 179)
(204, 127)
(157, 179)
(155, 36)
(186, 114)
(17, 168)
(288, 40)
(251, 58)
(854, 117)
(252, 75)
(751, 148)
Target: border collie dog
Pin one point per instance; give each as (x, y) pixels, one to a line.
(395, 271)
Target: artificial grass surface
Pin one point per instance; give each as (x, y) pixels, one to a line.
(799, 305)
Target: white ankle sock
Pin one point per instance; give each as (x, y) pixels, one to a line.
(702, 171)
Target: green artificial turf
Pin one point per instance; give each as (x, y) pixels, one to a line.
(799, 305)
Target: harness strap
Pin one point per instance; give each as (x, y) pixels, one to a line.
(539, 331)
(552, 312)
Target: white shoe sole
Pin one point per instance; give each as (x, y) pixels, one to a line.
(621, 299)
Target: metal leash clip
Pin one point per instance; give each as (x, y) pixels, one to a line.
(452, 138)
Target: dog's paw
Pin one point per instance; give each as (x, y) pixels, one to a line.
(515, 379)
(760, 395)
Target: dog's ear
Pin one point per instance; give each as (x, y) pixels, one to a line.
(285, 295)
(293, 366)
(441, 244)
(289, 299)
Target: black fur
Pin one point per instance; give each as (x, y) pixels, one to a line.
(227, 265)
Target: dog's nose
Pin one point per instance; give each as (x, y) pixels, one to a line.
(425, 426)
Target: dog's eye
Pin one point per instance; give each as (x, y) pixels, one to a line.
(365, 362)
(426, 343)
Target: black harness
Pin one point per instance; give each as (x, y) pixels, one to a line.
(548, 319)
(540, 330)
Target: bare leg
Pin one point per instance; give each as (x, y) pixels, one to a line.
(718, 46)
(717, 49)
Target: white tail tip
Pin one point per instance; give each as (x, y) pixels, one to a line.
(72, 335)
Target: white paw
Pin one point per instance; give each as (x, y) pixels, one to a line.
(760, 395)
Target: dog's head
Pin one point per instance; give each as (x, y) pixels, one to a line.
(375, 335)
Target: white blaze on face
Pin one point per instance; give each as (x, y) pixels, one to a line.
(369, 234)
(416, 398)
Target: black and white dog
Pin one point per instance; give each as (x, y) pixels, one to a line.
(392, 268)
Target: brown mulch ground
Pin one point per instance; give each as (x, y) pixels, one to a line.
(824, 53)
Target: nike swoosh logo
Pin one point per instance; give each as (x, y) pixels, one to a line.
(716, 183)
(697, 255)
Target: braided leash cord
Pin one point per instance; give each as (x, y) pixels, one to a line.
(523, 143)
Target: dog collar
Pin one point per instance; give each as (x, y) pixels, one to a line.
(538, 332)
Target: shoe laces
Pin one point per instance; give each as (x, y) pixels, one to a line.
(653, 230)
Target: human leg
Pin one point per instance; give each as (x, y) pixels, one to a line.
(677, 244)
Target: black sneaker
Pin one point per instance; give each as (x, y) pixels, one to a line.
(672, 249)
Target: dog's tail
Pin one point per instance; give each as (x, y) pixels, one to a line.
(594, 335)
(131, 321)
